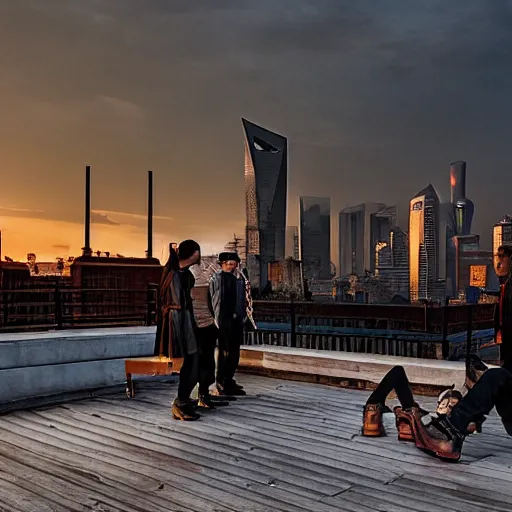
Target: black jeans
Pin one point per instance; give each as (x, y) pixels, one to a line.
(230, 339)
(188, 376)
(206, 343)
(396, 379)
(493, 389)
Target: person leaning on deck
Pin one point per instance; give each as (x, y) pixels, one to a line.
(175, 323)
(442, 434)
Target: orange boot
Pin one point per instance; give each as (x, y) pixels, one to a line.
(403, 425)
(372, 421)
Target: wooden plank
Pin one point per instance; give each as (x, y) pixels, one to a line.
(189, 475)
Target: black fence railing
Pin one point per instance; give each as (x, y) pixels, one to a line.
(417, 331)
(61, 307)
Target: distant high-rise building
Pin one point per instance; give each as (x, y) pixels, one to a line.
(292, 242)
(501, 234)
(266, 169)
(424, 245)
(360, 229)
(463, 207)
(315, 237)
(392, 263)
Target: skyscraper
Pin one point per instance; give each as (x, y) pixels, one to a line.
(292, 242)
(266, 169)
(360, 229)
(392, 263)
(463, 207)
(315, 237)
(424, 245)
(501, 235)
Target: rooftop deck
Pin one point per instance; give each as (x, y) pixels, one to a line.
(287, 447)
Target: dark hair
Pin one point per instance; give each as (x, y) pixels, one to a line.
(456, 394)
(187, 248)
(506, 249)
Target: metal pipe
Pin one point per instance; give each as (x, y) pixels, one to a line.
(150, 215)
(87, 245)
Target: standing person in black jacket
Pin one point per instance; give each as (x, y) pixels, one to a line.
(229, 308)
(175, 336)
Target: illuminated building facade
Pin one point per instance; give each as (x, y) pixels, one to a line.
(266, 170)
(360, 229)
(474, 266)
(501, 234)
(392, 263)
(315, 237)
(424, 245)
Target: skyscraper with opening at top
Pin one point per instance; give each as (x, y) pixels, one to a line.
(266, 175)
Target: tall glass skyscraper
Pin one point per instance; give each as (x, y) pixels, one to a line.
(315, 237)
(361, 228)
(266, 174)
(424, 245)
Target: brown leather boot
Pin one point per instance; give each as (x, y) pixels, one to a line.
(372, 421)
(403, 425)
(439, 439)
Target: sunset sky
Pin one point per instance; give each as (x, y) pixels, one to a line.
(376, 98)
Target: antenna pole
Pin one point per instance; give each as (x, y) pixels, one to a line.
(150, 215)
(86, 250)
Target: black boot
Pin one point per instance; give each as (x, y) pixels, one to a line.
(207, 402)
(233, 389)
(184, 410)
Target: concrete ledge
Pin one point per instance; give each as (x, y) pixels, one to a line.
(348, 369)
(22, 350)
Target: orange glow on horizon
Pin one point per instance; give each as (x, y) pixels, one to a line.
(50, 239)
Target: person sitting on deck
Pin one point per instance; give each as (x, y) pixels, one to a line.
(442, 434)
(396, 380)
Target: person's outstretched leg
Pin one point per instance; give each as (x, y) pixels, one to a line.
(396, 379)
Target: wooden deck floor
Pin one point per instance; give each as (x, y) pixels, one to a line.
(286, 447)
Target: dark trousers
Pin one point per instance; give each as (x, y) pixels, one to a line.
(206, 343)
(230, 339)
(188, 376)
(396, 379)
(493, 389)
(506, 352)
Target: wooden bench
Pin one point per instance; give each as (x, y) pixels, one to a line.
(153, 365)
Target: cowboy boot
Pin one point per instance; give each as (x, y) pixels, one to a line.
(440, 439)
(372, 421)
(403, 425)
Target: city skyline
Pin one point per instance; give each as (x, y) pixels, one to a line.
(122, 91)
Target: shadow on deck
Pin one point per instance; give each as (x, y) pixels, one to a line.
(287, 446)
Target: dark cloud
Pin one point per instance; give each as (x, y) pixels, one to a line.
(376, 97)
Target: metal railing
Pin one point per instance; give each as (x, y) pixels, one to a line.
(394, 330)
(62, 307)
